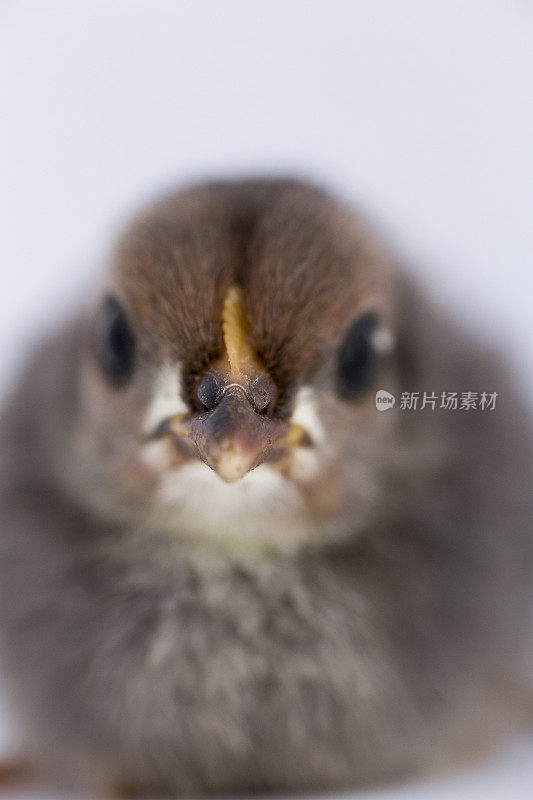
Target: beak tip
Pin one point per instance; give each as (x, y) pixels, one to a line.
(231, 466)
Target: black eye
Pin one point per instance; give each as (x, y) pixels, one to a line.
(357, 358)
(115, 345)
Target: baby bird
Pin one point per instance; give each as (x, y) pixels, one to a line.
(226, 567)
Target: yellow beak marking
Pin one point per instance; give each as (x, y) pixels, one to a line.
(239, 350)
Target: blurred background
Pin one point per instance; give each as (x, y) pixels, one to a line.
(419, 112)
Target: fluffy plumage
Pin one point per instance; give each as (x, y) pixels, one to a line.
(355, 608)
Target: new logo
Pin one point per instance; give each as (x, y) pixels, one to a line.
(384, 400)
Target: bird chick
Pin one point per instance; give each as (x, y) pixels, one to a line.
(223, 568)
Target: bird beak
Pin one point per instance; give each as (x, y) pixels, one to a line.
(233, 437)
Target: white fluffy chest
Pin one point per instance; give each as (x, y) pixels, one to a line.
(262, 509)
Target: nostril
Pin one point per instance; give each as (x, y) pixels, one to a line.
(208, 391)
(262, 392)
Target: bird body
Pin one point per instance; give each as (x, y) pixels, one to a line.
(222, 567)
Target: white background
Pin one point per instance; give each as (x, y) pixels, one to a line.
(419, 111)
